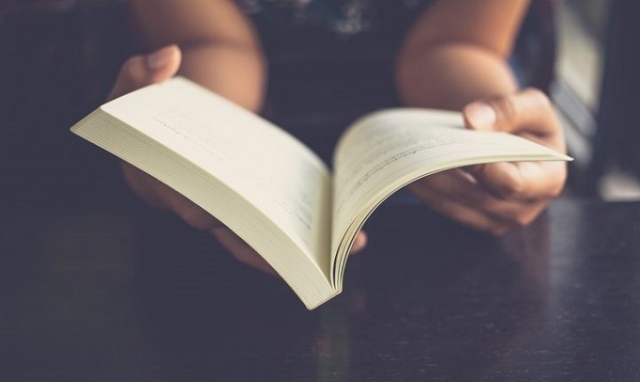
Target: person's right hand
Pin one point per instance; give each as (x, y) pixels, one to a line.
(498, 197)
(139, 71)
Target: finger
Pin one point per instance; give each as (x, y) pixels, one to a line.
(359, 242)
(190, 212)
(142, 70)
(460, 187)
(518, 215)
(460, 212)
(521, 181)
(449, 189)
(527, 113)
(160, 195)
(137, 180)
(241, 250)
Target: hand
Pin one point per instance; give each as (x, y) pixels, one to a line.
(500, 196)
(159, 66)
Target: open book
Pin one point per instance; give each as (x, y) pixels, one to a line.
(272, 190)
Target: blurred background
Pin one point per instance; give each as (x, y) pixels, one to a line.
(594, 89)
(58, 59)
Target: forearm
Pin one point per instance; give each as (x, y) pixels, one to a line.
(449, 76)
(219, 45)
(457, 51)
(237, 73)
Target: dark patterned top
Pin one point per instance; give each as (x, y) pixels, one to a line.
(332, 27)
(330, 57)
(344, 18)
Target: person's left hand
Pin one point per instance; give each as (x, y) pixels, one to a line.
(142, 70)
(500, 196)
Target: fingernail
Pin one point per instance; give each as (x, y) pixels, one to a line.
(480, 114)
(160, 58)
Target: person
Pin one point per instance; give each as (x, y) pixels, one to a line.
(453, 55)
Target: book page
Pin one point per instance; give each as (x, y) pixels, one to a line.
(266, 166)
(385, 151)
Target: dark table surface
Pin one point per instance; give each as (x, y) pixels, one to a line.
(137, 296)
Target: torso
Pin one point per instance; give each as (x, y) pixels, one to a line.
(325, 27)
(331, 56)
(342, 18)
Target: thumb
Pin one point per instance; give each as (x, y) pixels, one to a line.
(142, 70)
(528, 112)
